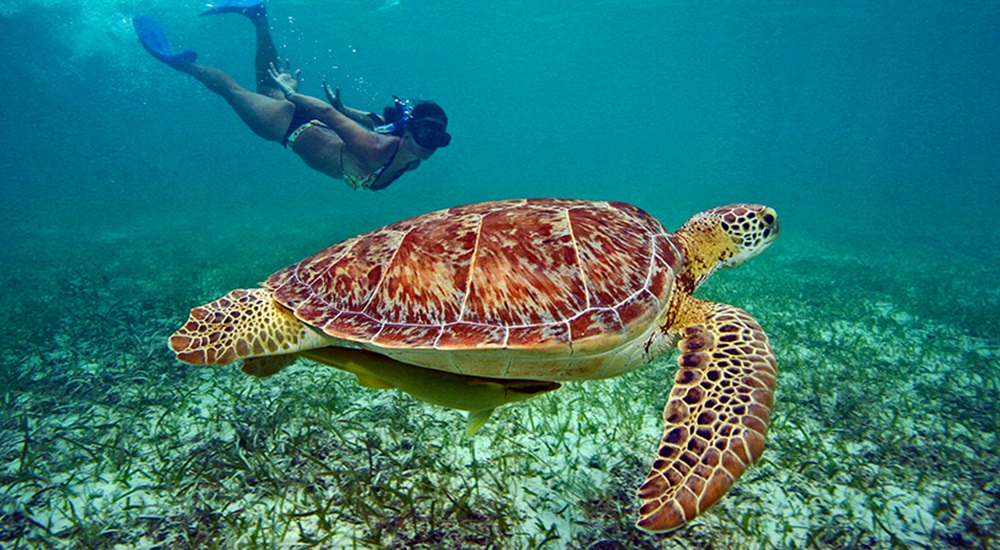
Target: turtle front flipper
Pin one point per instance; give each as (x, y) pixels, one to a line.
(242, 324)
(716, 417)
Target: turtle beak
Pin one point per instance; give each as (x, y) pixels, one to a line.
(772, 225)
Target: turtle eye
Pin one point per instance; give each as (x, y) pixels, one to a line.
(768, 219)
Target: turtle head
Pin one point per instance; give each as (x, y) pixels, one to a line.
(726, 236)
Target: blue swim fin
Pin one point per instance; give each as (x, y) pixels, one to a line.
(249, 8)
(153, 38)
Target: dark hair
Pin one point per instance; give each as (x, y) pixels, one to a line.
(392, 113)
(422, 109)
(429, 109)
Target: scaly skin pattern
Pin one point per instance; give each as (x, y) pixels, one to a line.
(538, 289)
(723, 237)
(241, 324)
(716, 418)
(717, 415)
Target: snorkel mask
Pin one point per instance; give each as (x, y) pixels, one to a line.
(428, 133)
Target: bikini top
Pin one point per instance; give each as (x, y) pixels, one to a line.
(368, 182)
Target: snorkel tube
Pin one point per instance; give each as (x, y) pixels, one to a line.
(407, 110)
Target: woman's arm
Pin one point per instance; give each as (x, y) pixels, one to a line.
(355, 136)
(333, 96)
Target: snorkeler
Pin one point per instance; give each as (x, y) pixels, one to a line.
(366, 150)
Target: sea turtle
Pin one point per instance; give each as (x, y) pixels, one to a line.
(516, 296)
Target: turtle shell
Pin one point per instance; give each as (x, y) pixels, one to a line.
(534, 277)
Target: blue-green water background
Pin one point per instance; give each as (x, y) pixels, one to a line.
(129, 194)
(866, 123)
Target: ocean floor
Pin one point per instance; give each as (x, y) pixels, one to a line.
(884, 434)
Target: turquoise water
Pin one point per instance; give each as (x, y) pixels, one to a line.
(129, 194)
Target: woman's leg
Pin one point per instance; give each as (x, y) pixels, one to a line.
(266, 116)
(267, 54)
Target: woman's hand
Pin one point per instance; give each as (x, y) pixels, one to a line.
(333, 96)
(284, 79)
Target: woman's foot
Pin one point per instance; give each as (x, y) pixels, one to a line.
(154, 39)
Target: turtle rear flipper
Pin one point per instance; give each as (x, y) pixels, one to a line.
(242, 324)
(716, 417)
(262, 367)
(477, 395)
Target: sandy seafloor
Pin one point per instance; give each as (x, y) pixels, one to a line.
(129, 195)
